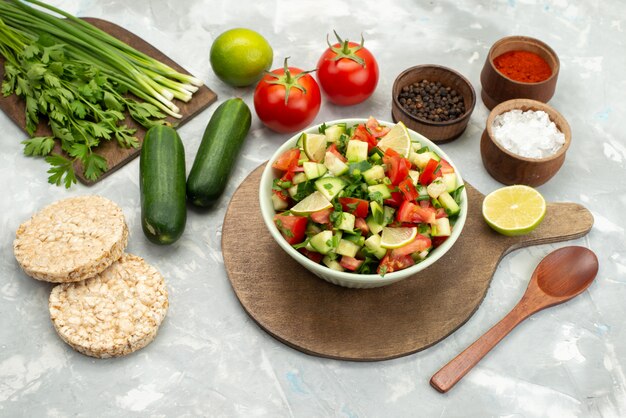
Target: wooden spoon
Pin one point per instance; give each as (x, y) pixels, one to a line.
(560, 276)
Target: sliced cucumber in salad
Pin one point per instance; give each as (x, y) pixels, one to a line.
(345, 203)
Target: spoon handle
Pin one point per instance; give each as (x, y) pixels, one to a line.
(458, 367)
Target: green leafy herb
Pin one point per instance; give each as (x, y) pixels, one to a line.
(76, 77)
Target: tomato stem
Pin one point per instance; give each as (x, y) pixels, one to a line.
(345, 50)
(287, 80)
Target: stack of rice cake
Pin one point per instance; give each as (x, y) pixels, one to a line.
(109, 303)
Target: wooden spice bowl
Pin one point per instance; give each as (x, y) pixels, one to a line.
(497, 88)
(509, 168)
(437, 132)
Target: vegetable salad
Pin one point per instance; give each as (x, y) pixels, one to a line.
(364, 198)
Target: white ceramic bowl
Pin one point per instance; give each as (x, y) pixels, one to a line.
(346, 279)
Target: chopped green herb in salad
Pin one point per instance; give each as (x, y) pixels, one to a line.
(364, 198)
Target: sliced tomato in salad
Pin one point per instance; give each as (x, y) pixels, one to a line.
(391, 263)
(312, 255)
(410, 212)
(437, 241)
(335, 151)
(361, 225)
(292, 228)
(446, 168)
(362, 134)
(322, 216)
(395, 200)
(376, 129)
(419, 244)
(287, 160)
(355, 206)
(397, 166)
(430, 173)
(350, 263)
(408, 190)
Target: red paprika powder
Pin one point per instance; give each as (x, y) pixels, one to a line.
(524, 66)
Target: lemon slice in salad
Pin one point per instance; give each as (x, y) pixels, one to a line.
(314, 146)
(514, 210)
(397, 237)
(398, 139)
(312, 203)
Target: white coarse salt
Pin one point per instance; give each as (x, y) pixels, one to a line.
(529, 134)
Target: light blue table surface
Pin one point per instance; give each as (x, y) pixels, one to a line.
(211, 359)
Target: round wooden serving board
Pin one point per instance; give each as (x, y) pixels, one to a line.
(319, 318)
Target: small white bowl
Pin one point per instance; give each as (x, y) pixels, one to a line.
(342, 278)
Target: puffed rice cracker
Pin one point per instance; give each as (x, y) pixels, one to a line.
(114, 313)
(71, 240)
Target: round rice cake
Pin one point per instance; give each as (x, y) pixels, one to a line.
(114, 313)
(72, 239)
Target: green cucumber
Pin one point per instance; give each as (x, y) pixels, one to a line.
(221, 142)
(330, 186)
(374, 175)
(162, 185)
(323, 242)
(356, 151)
(448, 203)
(379, 188)
(348, 248)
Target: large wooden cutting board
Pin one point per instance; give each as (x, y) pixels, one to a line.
(116, 157)
(319, 318)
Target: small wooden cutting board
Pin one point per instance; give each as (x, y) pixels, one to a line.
(319, 318)
(116, 156)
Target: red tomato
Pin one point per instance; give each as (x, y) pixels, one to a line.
(431, 172)
(437, 241)
(287, 99)
(334, 150)
(347, 72)
(375, 128)
(322, 216)
(398, 169)
(391, 263)
(446, 168)
(395, 200)
(350, 263)
(357, 207)
(282, 195)
(287, 160)
(292, 228)
(312, 255)
(408, 189)
(410, 212)
(362, 134)
(419, 244)
(361, 224)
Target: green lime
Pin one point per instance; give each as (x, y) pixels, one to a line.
(240, 56)
(314, 146)
(312, 203)
(397, 237)
(514, 210)
(397, 139)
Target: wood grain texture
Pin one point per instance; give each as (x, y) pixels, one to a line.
(116, 157)
(319, 318)
(509, 168)
(562, 275)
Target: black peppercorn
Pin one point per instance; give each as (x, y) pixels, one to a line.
(431, 101)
